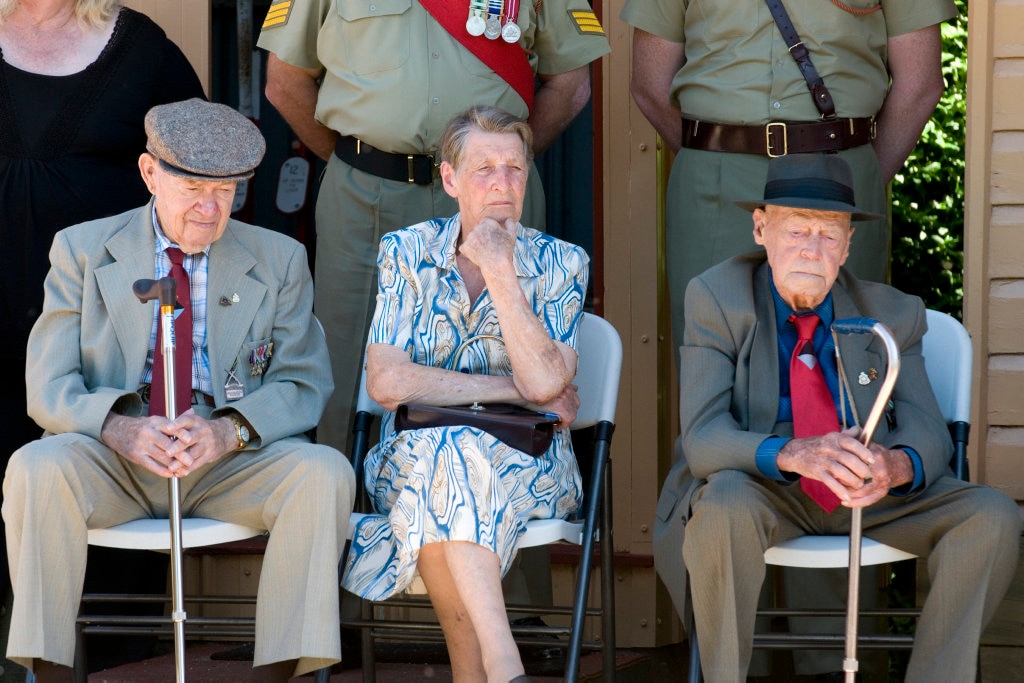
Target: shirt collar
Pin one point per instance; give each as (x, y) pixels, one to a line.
(825, 310)
(163, 242)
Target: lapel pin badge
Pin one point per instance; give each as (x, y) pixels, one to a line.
(865, 378)
(234, 298)
(224, 301)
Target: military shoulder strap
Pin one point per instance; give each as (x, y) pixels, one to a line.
(819, 93)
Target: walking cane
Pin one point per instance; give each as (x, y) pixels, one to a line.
(164, 290)
(862, 326)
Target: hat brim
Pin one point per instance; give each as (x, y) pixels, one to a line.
(185, 173)
(856, 214)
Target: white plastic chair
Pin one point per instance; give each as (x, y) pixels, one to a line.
(600, 362)
(155, 534)
(948, 362)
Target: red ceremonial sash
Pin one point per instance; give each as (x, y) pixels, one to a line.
(508, 60)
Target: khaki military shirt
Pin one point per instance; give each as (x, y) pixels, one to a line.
(393, 77)
(738, 69)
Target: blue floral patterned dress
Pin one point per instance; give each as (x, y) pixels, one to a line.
(459, 483)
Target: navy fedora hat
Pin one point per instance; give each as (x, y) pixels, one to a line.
(821, 182)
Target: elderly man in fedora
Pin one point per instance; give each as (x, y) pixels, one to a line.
(255, 379)
(756, 467)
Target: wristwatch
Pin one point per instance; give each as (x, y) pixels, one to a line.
(241, 431)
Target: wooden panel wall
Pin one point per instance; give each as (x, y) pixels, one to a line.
(994, 255)
(635, 302)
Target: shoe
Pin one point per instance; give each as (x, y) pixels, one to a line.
(539, 651)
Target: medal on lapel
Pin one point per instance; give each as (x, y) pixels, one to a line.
(259, 358)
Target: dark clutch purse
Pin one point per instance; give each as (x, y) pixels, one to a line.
(523, 429)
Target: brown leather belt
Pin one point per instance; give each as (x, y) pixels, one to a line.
(418, 169)
(778, 138)
(198, 397)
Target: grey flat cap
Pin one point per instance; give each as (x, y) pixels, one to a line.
(204, 140)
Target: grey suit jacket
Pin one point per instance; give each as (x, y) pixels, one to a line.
(729, 387)
(87, 351)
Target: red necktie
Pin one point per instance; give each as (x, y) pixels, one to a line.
(814, 412)
(182, 346)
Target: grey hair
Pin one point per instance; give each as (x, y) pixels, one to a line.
(488, 120)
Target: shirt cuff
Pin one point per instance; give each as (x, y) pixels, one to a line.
(918, 483)
(766, 459)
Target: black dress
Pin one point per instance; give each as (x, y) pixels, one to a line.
(69, 150)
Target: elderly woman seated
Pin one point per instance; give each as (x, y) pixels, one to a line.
(471, 308)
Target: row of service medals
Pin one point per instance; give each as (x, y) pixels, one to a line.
(493, 18)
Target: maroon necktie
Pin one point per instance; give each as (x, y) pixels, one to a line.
(182, 346)
(814, 412)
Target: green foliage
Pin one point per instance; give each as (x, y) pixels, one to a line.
(927, 194)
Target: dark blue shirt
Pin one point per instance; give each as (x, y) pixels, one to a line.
(824, 350)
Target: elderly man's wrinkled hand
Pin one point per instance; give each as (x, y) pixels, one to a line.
(891, 468)
(143, 441)
(838, 460)
(199, 441)
(165, 448)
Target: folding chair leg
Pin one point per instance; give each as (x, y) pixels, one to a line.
(694, 676)
(81, 664)
(593, 504)
(366, 637)
(607, 579)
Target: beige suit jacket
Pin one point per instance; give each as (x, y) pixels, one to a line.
(87, 351)
(729, 387)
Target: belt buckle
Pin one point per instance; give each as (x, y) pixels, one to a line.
(411, 168)
(768, 139)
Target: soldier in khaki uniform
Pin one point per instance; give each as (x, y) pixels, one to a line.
(377, 81)
(724, 65)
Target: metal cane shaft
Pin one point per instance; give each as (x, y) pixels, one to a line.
(861, 326)
(165, 290)
(850, 664)
(177, 590)
(174, 499)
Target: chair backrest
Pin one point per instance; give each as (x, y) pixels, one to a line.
(365, 404)
(946, 347)
(948, 361)
(597, 375)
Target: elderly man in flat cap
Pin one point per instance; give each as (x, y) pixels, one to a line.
(257, 381)
(752, 443)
